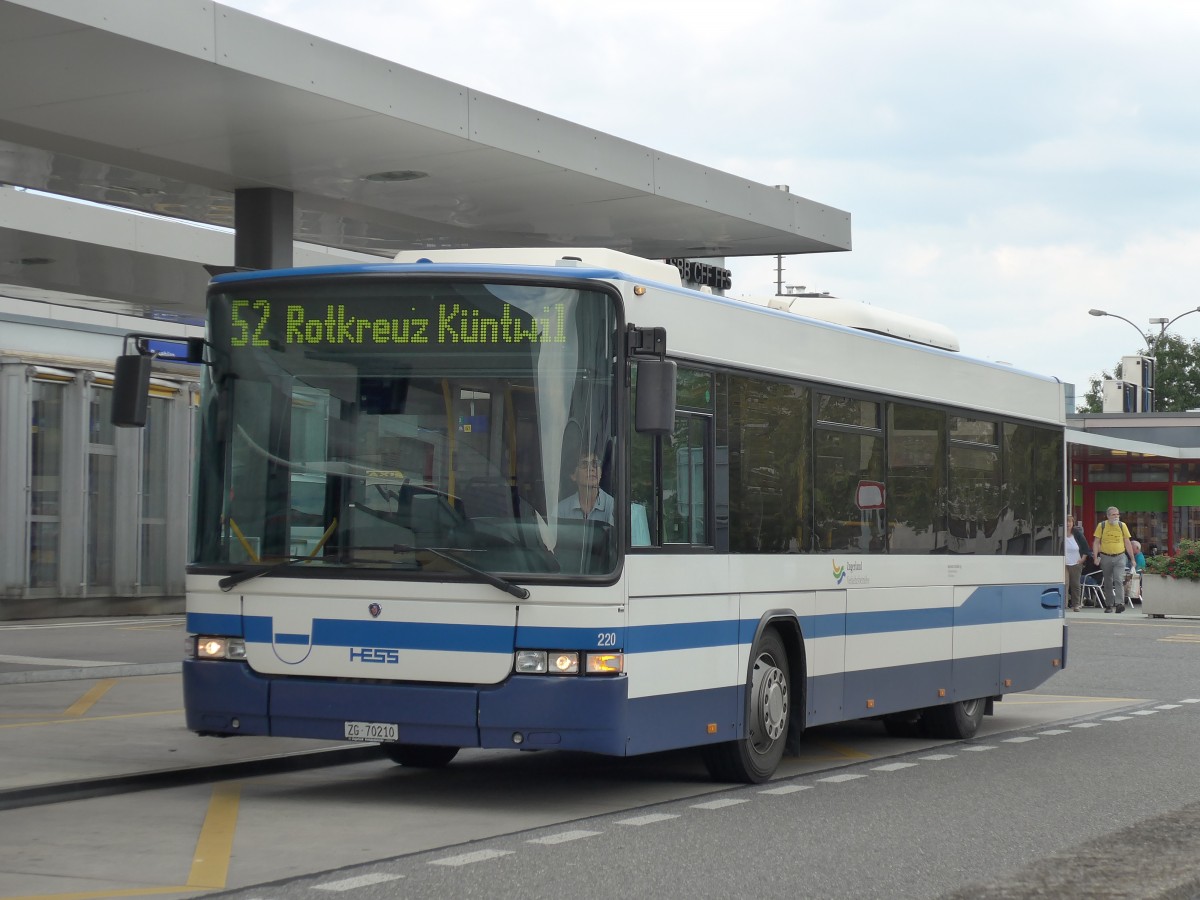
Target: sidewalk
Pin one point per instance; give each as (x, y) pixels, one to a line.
(91, 706)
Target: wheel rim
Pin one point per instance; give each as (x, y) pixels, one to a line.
(970, 708)
(770, 703)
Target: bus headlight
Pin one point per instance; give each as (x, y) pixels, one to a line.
(215, 647)
(566, 662)
(530, 662)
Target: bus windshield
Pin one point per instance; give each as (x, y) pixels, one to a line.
(359, 420)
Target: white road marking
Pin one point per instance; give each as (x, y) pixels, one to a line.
(1143, 712)
(838, 779)
(1117, 718)
(1086, 725)
(648, 819)
(1019, 740)
(349, 884)
(788, 789)
(979, 748)
(466, 859)
(1168, 706)
(563, 837)
(1054, 731)
(938, 757)
(719, 804)
(894, 767)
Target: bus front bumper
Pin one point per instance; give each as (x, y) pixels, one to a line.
(523, 712)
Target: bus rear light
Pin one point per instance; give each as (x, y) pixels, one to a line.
(605, 663)
(209, 647)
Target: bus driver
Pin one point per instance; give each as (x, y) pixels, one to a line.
(590, 502)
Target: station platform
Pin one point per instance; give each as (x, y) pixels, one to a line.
(95, 706)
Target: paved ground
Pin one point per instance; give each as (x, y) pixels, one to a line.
(52, 672)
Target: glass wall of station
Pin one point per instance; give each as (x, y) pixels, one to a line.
(1159, 498)
(93, 518)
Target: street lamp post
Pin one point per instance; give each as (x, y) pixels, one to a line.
(1145, 337)
(1164, 323)
(1152, 343)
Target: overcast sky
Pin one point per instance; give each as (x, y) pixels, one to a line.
(1008, 165)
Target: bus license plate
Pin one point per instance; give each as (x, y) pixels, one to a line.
(372, 731)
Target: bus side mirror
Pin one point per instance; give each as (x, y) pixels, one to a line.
(131, 390)
(655, 412)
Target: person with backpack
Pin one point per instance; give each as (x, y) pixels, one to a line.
(1112, 547)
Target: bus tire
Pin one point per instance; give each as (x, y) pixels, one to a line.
(754, 758)
(954, 721)
(420, 756)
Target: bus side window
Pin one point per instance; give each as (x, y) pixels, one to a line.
(643, 483)
(685, 465)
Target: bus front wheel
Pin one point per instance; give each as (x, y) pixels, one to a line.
(420, 756)
(754, 758)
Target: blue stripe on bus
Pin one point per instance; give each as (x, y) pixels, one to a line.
(682, 636)
(413, 636)
(987, 605)
(214, 623)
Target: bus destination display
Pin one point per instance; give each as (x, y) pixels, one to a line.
(374, 323)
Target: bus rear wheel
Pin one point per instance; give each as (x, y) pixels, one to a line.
(954, 721)
(420, 756)
(754, 758)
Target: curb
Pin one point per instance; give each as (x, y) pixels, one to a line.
(42, 794)
(82, 673)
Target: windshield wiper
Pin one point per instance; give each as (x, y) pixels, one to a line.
(231, 581)
(494, 580)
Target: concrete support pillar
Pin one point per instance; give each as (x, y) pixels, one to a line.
(262, 221)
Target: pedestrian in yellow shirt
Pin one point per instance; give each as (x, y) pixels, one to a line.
(1112, 547)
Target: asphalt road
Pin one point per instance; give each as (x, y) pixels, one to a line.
(1085, 788)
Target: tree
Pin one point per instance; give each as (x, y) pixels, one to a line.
(1176, 376)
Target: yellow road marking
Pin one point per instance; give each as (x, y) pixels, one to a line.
(84, 703)
(1180, 639)
(210, 865)
(161, 712)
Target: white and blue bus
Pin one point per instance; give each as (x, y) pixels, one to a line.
(793, 522)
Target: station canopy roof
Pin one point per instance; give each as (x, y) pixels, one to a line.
(169, 106)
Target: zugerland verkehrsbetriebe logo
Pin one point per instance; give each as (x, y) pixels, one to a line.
(850, 573)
